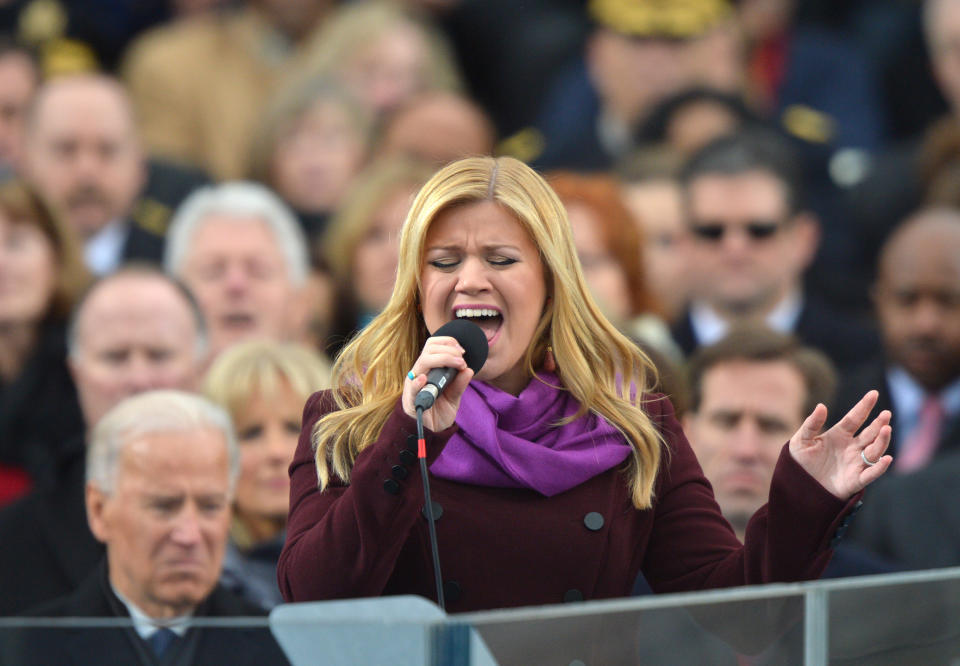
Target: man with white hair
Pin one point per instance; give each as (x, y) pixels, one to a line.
(241, 252)
(134, 331)
(161, 468)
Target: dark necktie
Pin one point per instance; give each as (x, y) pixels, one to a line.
(161, 640)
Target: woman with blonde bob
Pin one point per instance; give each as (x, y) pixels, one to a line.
(554, 474)
(261, 384)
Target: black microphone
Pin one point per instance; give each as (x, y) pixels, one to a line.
(474, 342)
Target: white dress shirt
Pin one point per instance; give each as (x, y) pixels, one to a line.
(103, 251)
(146, 626)
(907, 397)
(709, 327)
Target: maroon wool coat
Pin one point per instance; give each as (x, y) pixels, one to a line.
(503, 547)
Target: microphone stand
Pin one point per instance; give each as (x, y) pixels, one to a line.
(422, 455)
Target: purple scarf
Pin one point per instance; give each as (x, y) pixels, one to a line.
(509, 441)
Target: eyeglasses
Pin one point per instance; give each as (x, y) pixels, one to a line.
(757, 230)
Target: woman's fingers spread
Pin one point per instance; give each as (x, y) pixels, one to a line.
(877, 446)
(814, 423)
(871, 431)
(871, 474)
(853, 419)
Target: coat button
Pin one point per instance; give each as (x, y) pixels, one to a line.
(593, 521)
(391, 486)
(399, 472)
(408, 457)
(412, 443)
(437, 510)
(452, 591)
(572, 595)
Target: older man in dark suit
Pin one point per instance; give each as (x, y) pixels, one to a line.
(161, 468)
(133, 331)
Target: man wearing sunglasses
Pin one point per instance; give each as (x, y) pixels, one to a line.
(752, 243)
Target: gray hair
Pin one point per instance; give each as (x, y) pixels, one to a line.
(143, 271)
(150, 413)
(240, 199)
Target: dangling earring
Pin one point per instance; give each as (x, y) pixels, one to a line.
(549, 363)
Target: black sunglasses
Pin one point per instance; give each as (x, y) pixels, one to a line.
(756, 230)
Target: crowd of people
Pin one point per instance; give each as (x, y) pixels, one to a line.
(695, 233)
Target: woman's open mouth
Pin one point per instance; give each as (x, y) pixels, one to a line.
(489, 319)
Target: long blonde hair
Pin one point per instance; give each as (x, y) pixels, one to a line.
(600, 367)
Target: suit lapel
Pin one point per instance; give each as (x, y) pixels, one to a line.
(63, 526)
(683, 334)
(102, 646)
(950, 437)
(950, 511)
(107, 647)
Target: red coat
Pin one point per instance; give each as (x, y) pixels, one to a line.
(503, 547)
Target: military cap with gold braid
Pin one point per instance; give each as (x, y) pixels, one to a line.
(666, 19)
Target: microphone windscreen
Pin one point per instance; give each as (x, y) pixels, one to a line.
(471, 337)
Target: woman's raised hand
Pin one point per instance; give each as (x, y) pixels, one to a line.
(438, 352)
(843, 461)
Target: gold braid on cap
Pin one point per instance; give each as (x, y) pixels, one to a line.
(671, 19)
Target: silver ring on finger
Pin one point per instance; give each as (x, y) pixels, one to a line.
(867, 461)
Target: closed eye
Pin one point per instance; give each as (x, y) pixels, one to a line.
(772, 426)
(724, 419)
(115, 356)
(212, 505)
(250, 432)
(165, 505)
